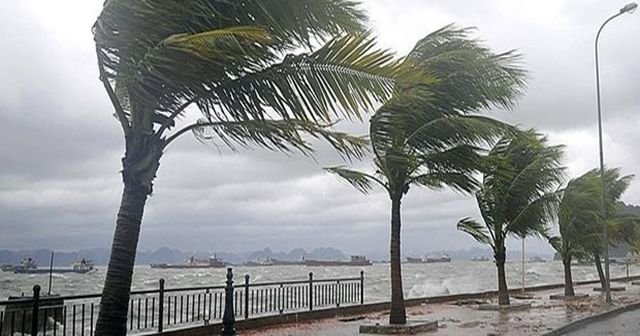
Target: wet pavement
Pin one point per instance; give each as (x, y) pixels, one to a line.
(464, 318)
(625, 324)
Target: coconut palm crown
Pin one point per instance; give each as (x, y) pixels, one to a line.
(261, 73)
(518, 195)
(428, 134)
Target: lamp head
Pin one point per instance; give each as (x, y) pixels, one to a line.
(629, 8)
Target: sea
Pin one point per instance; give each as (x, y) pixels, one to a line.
(419, 280)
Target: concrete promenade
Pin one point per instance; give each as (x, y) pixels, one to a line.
(625, 324)
(464, 318)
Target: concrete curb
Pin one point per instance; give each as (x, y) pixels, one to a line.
(581, 323)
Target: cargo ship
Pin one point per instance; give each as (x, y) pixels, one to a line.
(443, 258)
(355, 261)
(192, 262)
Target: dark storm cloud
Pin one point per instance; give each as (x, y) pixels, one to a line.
(61, 147)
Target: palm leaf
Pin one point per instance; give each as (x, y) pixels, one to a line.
(475, 230)
(459, 181)
(341, 79)
(360, 181)
(277, 135)
(232, 44)
(469, 71)
(556, 243)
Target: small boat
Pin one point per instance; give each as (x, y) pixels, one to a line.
(29, 266)
(356, 260)
(481, 258)
(192, 262)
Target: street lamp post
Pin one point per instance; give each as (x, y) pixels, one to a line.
(628, 8)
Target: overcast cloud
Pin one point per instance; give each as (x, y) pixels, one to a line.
(60, 147)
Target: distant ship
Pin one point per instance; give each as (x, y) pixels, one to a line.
(481, 258)
(268, 261)
(536, 259)
(443, 258)
(7, 267)
(355, 261)
(29, 266)
(192, 262)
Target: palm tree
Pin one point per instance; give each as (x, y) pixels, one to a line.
(427, 135)
(623, 228)
(517, 196)
(262, 73)
(579, 207)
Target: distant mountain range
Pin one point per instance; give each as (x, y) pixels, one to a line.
(100, 256)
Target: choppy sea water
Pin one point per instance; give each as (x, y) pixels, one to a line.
(419, 280)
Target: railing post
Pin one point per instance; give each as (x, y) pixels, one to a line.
(161, 306)
(228, 319)
(336, 295)
(361, 287)
(246, 296)
(34, 311)
(310, 290)
(281, 299)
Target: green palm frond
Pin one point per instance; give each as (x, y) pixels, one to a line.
(277, 135)
(459, 181)
(534, 218)
(469, 71)
(556, 243)
(460, 129)
(625, 228)
(475, 230)
(580, 213)
(359, 180)
(342, 79)
(232, 44)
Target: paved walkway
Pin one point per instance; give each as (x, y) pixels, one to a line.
(625, 324)
(457, 319)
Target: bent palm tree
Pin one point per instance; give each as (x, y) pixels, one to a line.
(623, 228)
(517, 196)
(426, 135)
(579, 207)
(235, 62)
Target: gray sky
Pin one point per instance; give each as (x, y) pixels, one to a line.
(60, 147)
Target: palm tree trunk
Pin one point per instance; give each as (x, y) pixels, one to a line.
(398, 314)
(112, 318)
(503, 292)
(596, 258)
(140, 165)
(568, 280)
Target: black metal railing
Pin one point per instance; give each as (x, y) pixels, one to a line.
(167, 308)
